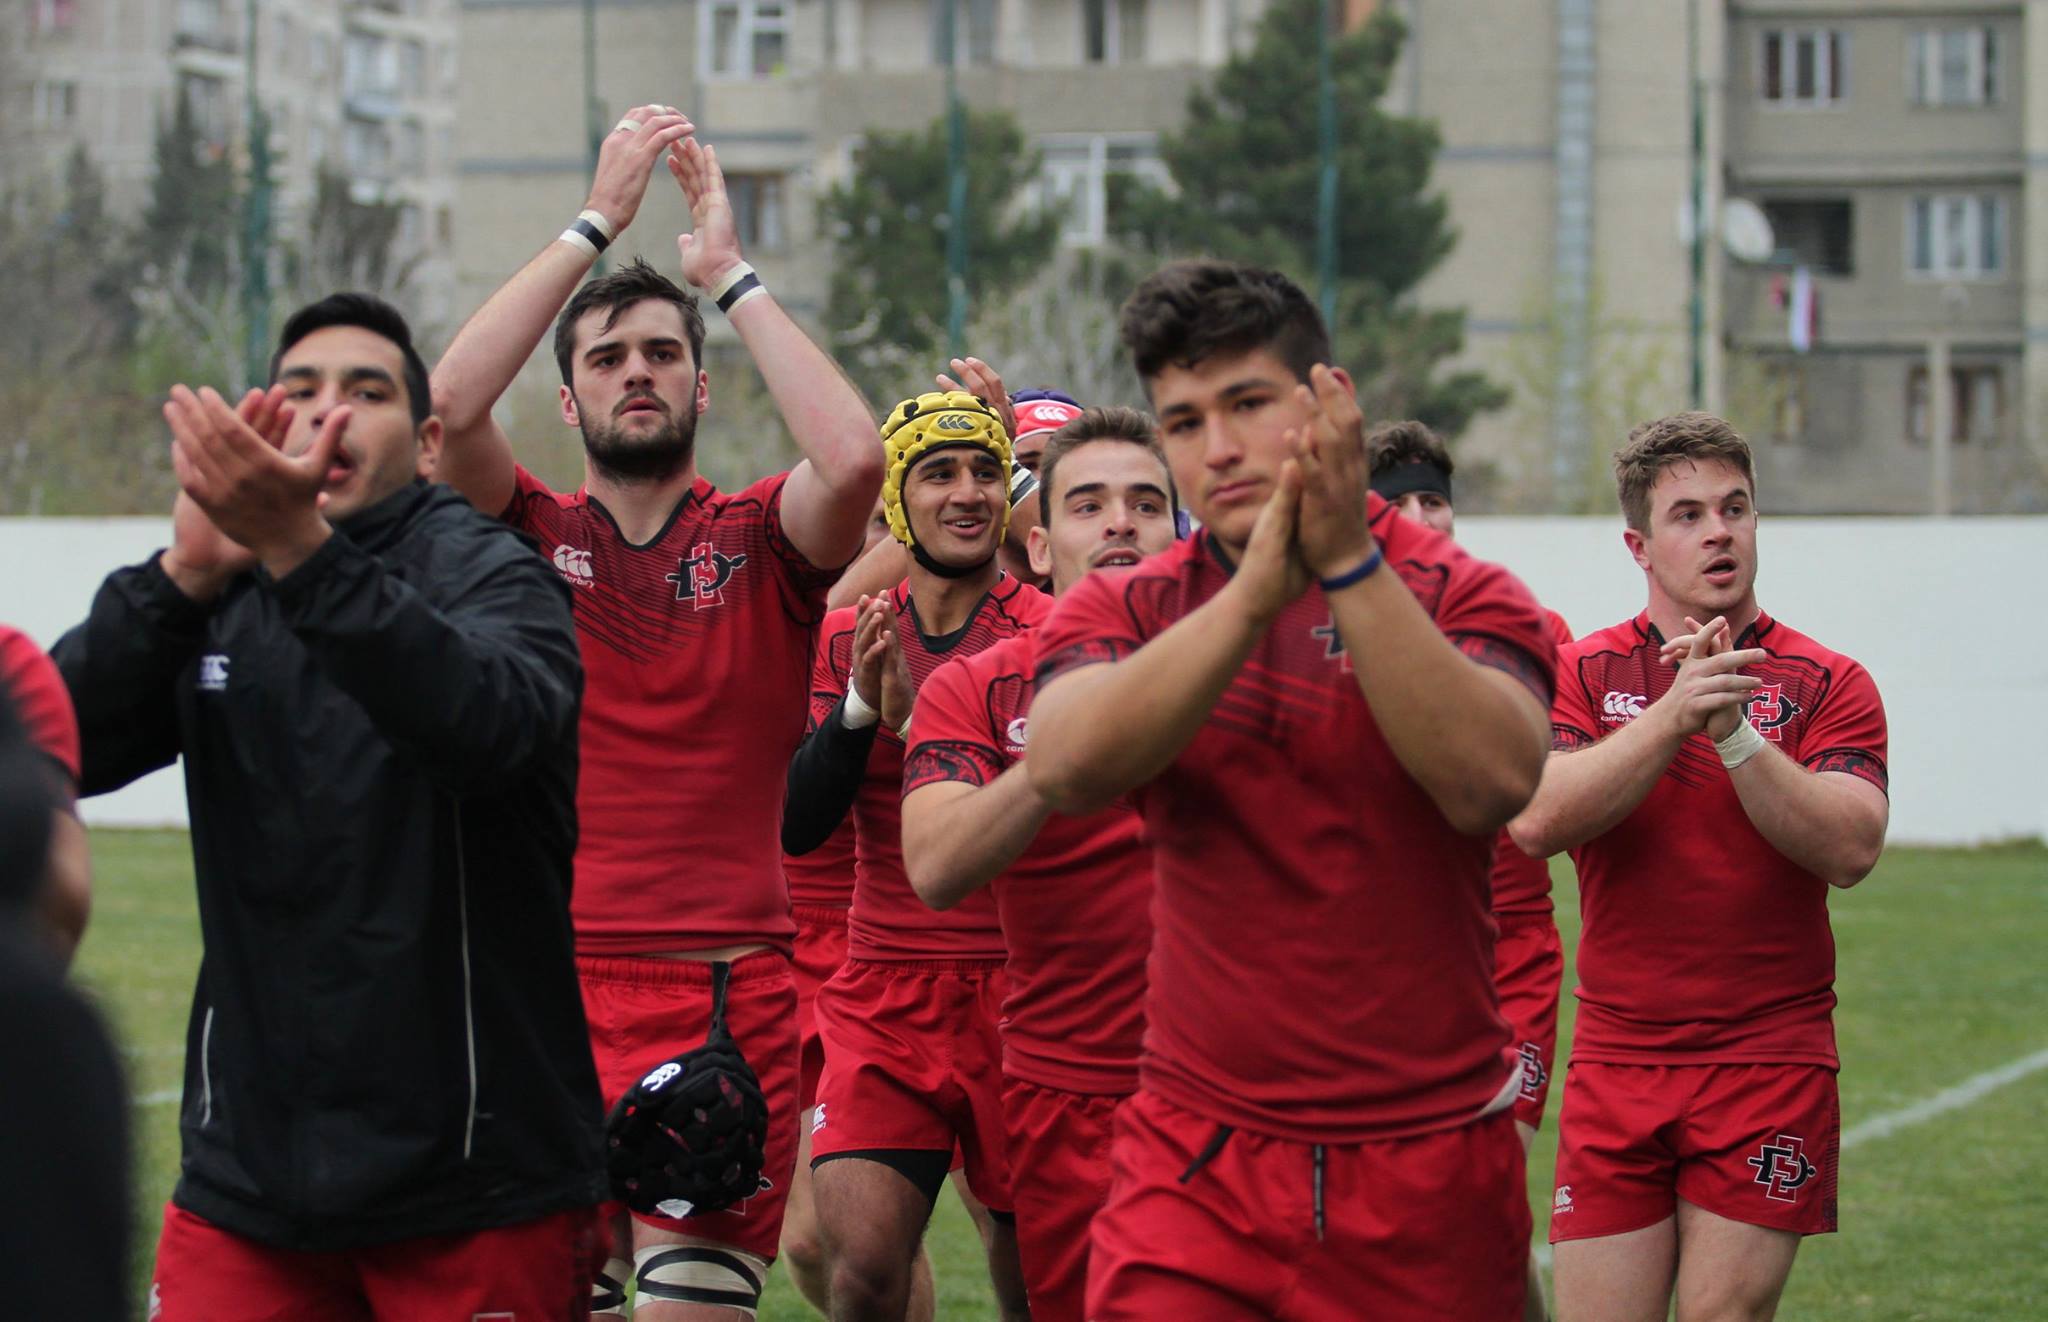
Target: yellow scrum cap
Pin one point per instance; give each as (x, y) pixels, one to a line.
(934, 421)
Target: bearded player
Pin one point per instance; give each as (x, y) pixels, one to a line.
(695, 610)
(912, 1058)
(1072, 892)
(1411, 470)
(1327, 713)
(1716, 774)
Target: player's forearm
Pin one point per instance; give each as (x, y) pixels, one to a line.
(1473, 737)
(954, 844)
(1586, 792)
(1102, 731)
(67, 892)
(500, 336)
(1831, 824)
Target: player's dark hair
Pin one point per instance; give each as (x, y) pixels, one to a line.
(1188, 312)
(1114, 423)
(1656, 445)
(1392, 444)
(635, 282)
(373, 314)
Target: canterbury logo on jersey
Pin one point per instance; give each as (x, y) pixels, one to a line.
(1014, 735)
(575, 565)
(1618, 707)
(213, 673)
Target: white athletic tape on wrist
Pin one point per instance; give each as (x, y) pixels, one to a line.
(581, 240)
(700, 1274)
(729, 279)
(858, 715)
(598, 219)
(1742, 744)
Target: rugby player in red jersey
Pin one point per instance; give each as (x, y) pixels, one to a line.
(912, 1060)
(29, 678)
(1072, 892)
(1411, 470)
(1715, 772)
(695, 609)
(1327, 712)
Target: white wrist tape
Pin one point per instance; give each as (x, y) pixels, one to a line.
(1742, 744)
(577, 237)
(858, 715)
(903, 730)
(603, 225)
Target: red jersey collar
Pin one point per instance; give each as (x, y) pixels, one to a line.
(1758, 629)
(700, 491)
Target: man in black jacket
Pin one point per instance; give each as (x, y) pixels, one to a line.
(390, 1108)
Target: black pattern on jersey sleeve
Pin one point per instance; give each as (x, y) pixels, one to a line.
(1855, 762)
(1566, 739)
(1510, 660)
(1088, 652)
(950, 760)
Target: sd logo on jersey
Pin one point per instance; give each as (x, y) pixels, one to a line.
(1768, 709)
(700, 579)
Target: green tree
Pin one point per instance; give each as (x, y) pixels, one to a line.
(189, 228)
(887, 306)
(1246, 167)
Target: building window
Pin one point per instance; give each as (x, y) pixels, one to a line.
(1977, 396)
(1113, 31)
(974, 31)
(46, 16)
(1954, 67)
(1956, 235)
(1079, 175)
(1803, 67)
(366, 150)
(742, 38)
(1817, 233)
(208, 98)
(757, 209)
(56, 104)
(412, 67)
(203, 23)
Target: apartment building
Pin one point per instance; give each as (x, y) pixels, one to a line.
(1895, 147)
(1896, 150)
(786, 88)
(363, 87)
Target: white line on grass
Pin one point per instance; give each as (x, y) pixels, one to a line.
(161, 1096)
(1967, 1093)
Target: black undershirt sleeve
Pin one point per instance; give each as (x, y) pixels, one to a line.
(824, 779)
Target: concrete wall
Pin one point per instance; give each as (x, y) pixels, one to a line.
(1907, 597)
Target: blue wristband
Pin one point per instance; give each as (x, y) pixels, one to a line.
(1358, 575)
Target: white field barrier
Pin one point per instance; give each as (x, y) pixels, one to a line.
(1947, 614)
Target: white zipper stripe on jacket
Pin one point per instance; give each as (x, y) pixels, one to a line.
(206, 1070)
(468, 995)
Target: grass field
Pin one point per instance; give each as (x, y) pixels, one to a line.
(1943, 959)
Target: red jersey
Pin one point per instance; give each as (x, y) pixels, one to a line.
(1521, 885)
(1074, 906)
(30, 680)
(1701, 943)
(1322, 966)
(823, 878)
(695, 648)
(888, 921)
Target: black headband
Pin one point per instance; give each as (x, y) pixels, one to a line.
(1419, 475)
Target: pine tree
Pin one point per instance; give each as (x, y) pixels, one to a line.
(1246, 169)
(888, 300)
